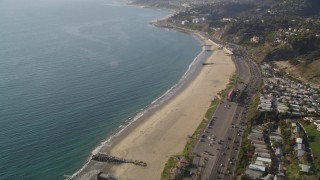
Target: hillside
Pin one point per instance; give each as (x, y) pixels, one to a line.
(271, 30)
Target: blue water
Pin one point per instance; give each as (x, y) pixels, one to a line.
(71, 72)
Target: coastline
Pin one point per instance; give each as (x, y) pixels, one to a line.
(158, 114)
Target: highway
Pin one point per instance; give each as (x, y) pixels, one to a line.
(217, 147)
(225, 164)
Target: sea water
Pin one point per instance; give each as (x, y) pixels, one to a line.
(72, 71)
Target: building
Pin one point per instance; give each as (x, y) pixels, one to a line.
(253, 174)
(304, 168)
(257, 168)
(231, 95)
(265, 160)
(299, 140)
(185, 22)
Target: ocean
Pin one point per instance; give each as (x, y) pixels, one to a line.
(73, 71)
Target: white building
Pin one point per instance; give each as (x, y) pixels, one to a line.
(257, 168)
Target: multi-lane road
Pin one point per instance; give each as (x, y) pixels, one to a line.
(217, 148)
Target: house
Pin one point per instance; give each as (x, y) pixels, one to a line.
(185, 22)
(257, 168)
(265, 155)
(253, 174)
(299, 140)
(304, 168)
(276, 138)
(259, 150)
(259, 146)
(227, 19)
(317, 123)
(296, 130)
(265, 160)
(195, 20)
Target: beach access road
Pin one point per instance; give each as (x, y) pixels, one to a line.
(225, 163)
(217, 148)
(220, 135)
(213, 140)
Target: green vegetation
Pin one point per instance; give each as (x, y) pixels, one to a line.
(293, 168)
(286, 136)
(290, 160)
(172, 161)
(314, 142)
(252, 111)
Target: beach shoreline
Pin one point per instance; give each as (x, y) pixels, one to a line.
(111, 146)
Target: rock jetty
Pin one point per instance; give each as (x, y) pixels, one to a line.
(112, 159)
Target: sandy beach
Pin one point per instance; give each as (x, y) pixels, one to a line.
(165, 131)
